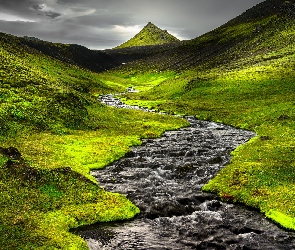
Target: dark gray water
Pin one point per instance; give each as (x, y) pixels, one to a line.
(164, 177)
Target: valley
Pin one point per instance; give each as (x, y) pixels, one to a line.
(54, 130)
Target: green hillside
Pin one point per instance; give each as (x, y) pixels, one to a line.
(149, 35)
(52, 132)
(241, 74)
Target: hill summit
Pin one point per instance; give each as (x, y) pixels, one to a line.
(149, 35)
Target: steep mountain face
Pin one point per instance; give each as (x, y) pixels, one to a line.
(258, 30)
(149, 35)
(96, 61)
(264, 10)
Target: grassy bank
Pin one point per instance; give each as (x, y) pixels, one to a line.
(241, 74)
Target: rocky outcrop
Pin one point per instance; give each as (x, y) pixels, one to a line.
(11, 153)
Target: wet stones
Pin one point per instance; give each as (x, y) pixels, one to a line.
(115, 102)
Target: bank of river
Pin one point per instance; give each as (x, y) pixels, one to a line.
(164, 178)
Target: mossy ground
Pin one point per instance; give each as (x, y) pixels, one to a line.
(38, 212)
(262, 172)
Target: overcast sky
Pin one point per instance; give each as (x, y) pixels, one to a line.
(101, 24)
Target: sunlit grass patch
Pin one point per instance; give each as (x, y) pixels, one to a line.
(83, 150)
(40, 206)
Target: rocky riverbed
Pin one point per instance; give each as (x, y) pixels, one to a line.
(164, 178)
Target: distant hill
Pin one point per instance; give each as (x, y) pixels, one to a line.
(96, 61)
(149, 35)
(40, 90)
(257, 31)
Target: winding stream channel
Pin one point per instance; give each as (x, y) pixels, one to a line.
(164, 177)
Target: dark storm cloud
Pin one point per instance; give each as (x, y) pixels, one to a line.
(52, 14)
(37, 7)
(107, 23)
(20, 8)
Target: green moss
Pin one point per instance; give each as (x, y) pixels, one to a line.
(285, 221)
(59, 199)
(49, 111)
(39, 206)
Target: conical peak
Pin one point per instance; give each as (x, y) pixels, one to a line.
(149, 35)
(151, 25)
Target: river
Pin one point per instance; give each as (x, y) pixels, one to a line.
(164, 178)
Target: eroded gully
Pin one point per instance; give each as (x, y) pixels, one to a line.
(164, 177)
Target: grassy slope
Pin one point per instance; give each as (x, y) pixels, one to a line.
(49, 112)
(149, 35)
(250, 85)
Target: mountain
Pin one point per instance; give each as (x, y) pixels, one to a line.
(238, 38)
(240, 74)
(43, 84)
(130, 54)
(149, 35)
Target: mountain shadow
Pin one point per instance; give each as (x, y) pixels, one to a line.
(96, 61)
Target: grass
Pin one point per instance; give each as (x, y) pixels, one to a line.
(39, 206)
(140, 82)
(261, 173)
(83, 150)
(60, 196)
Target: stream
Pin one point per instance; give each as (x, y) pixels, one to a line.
(164, 178)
